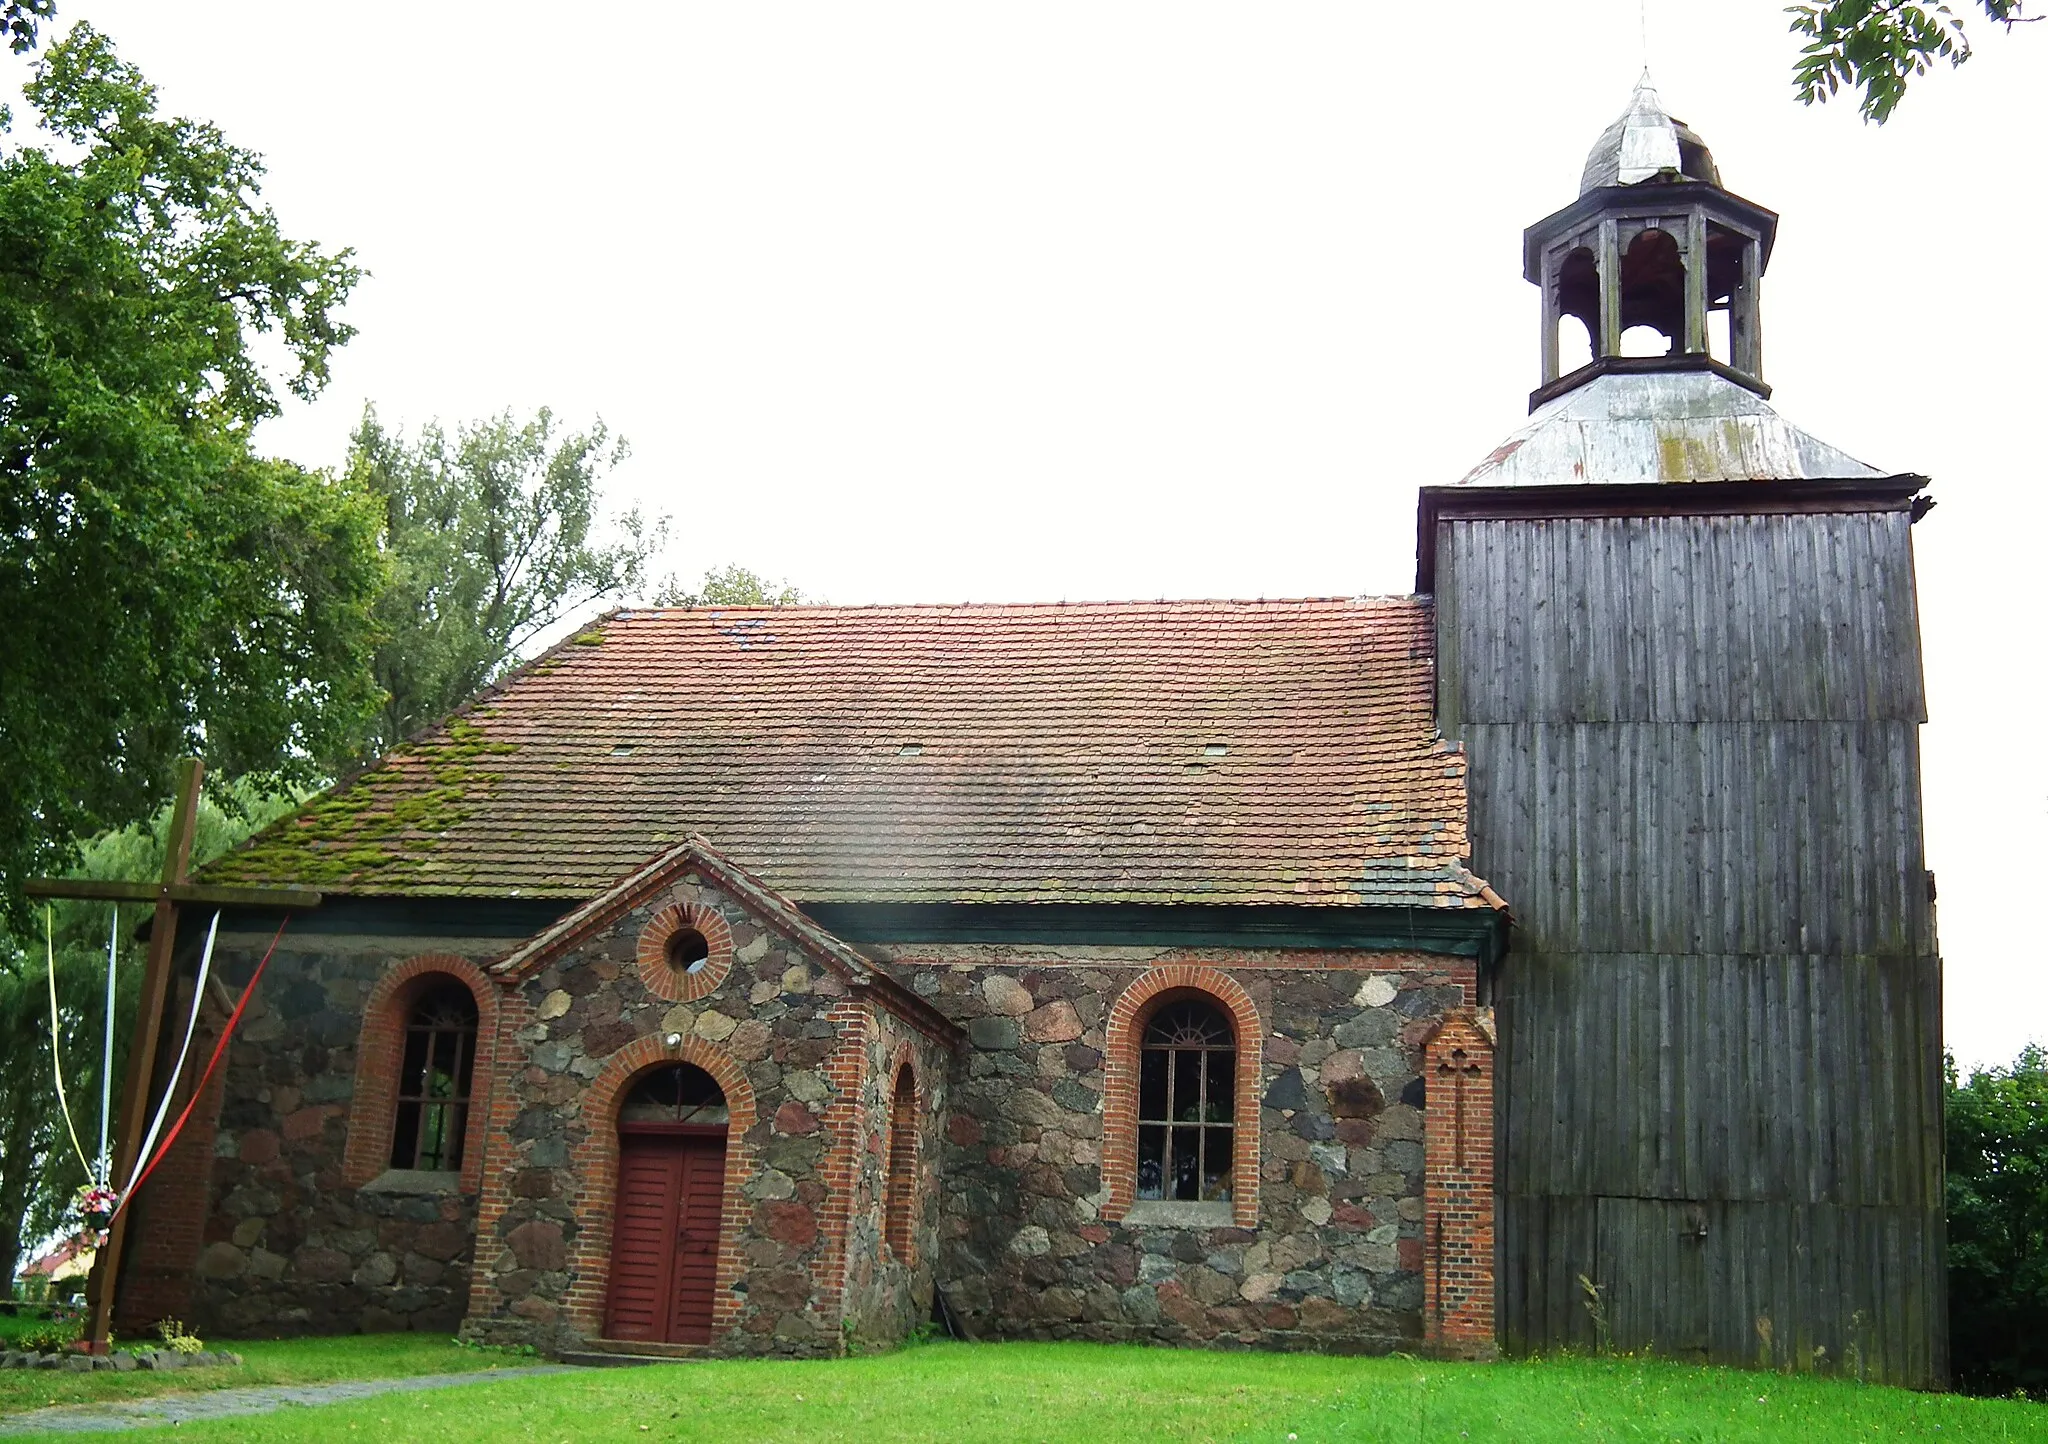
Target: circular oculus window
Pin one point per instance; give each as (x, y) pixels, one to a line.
(684, 952)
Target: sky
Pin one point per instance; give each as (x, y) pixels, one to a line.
(945, 302)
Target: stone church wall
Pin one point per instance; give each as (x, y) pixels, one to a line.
(292, 1244)
(1332, 1256)
(1020, 1178)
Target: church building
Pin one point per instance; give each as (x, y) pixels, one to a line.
(1544, 959)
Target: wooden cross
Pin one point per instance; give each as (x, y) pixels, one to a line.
(167, 894)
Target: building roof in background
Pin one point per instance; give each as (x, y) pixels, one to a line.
(1154, 752)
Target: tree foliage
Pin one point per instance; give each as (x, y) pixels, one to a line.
(492, 537)
(1998, 1226)
(1877, 46)
(166, 590)
(39, 1173)
(20, 21)
(732, 586)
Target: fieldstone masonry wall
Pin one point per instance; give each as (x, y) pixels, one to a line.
(1335, 1257)
(290, 1246)
(1346, 1233)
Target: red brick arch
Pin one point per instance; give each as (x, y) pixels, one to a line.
(595, 1166)
(372, 1110)
(1126, 1027)
(902, 1166)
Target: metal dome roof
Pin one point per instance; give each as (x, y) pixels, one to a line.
(1647, 144)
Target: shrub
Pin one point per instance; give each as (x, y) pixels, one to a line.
(51, 1338)
(172, 1332)
(1998, 1226)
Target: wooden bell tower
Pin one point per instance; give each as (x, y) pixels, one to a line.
(1678, 638)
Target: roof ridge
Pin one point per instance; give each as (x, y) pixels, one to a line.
(779, 609)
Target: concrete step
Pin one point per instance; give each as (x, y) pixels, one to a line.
(624, 1353)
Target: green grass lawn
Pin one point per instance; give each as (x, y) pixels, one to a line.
(1076, 1392)
(276, 1361)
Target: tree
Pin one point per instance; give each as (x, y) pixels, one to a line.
(732, 586)
(1876, 46)
(165, 589)
(20, 19)
(1998, 1226)
(39, 1172)
(491, 537)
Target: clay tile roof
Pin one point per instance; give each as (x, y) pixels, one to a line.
(1209, 751)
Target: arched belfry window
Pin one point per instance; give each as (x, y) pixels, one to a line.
(1653, 295)
(434, 1078)
(1187, 1103)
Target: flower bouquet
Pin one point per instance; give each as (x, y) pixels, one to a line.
(95, 1207)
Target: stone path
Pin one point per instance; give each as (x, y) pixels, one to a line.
(226, 1403)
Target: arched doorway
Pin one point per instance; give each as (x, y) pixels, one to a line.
(665, 1230)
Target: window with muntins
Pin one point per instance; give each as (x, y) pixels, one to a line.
(434, 1079)
(680, 1094)
(1187, 1103)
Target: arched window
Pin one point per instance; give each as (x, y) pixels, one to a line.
(1187, 1104)
(900, 1190)
(434, 1079)
(679, 1094)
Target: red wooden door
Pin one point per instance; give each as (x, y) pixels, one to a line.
(665, 1237)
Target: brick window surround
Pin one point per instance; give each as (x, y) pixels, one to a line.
(373, 1107)
(595, 1166)
(1128, 1016)
(651, 952)
(1458, 1201)
(900, 1193)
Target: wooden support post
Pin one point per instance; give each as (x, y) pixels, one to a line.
(1695, 342)
(1547, 279)
(1607, 340)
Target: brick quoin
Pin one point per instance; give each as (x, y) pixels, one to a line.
(845, 1123)
(169, 1228)
(373, 1111)
(1458, 1199)
(1133, 1008)
(496, 1157)
(595, 1165)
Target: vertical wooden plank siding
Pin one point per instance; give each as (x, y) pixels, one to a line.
(1695, 774)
